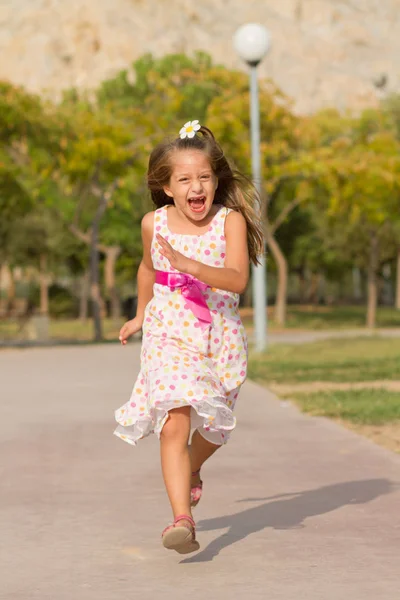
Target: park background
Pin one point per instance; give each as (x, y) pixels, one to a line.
(88, 88)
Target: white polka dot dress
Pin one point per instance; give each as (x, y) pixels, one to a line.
(183, 363)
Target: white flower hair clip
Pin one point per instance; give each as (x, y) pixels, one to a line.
(189, 129)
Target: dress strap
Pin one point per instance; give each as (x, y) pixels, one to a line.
(223, 213)
(160, 221)
(220, 219)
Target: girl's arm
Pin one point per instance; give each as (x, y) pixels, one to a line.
(145, 281)
(146, 273)
(233, 277)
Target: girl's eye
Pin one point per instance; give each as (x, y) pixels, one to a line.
(183, 179)
(205, 177)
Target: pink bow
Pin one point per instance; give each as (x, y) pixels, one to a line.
(192, 291)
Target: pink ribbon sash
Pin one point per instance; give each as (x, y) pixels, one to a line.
(192, 291)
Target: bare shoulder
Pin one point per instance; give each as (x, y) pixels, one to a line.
(235, 222)
(148, 223)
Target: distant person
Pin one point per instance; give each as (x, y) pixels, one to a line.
(196, 251)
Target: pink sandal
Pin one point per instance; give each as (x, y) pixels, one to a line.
(196, 491)
(181, 538)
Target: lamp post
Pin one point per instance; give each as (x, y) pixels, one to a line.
(252, 42)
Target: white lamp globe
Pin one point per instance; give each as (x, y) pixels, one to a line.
(252, 42)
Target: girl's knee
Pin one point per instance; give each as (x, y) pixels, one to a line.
(177, 425)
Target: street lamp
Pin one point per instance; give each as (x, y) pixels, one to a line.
(252, 42)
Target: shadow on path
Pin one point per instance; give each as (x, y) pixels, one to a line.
(287, 511)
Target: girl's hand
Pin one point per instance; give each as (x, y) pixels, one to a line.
(128, 329)
(177, 260)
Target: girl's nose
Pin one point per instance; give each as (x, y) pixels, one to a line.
(197, 186)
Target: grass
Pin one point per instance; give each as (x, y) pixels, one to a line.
(373, 412)
(83, 331)
(312, 318)
(337, 360)
(329, 317)
(62, 330)
(362, 407)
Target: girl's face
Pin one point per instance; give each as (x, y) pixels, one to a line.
(192, 184)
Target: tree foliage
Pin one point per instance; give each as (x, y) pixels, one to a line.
(72, 174)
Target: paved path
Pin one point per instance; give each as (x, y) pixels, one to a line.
(295, 508)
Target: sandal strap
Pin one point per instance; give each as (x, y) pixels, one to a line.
(185, 518)
(194, 473)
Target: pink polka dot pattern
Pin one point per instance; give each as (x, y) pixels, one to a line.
(181, 363)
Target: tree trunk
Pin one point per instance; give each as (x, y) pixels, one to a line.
(84, 296)
(44, 285)
(112, 254)
(372, 281)
(357, 290)
(281, 293)
(95, 293)
(302, 286)
(398, 280)
(11, 289)
(92, 239)
(322, 288)
(312, 295)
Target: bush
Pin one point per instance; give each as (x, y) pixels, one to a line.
(62, 303)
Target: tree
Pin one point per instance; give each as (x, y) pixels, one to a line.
(79, 168)
(28, 132)
(98, 185)
(166, 90)
(176, 88)
(291, 168)
(365, 196)
(391, 110)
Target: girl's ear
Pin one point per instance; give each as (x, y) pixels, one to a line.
(168, 191)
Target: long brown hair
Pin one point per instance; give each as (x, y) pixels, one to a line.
(234, 190)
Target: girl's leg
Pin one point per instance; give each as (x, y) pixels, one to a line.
(175, 459)
(200, 450)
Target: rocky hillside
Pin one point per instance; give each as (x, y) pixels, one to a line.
(344, 53)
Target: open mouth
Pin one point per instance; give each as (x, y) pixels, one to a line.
(197, 204)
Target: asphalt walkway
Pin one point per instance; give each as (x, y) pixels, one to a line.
(294, 507)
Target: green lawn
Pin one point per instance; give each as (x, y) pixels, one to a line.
(62, 329)
(298, 317)
(362, 407)
(338, 360)
(329, 317)
(374, 412)
(84, 331)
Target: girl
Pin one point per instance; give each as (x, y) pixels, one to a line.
(196, 251)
